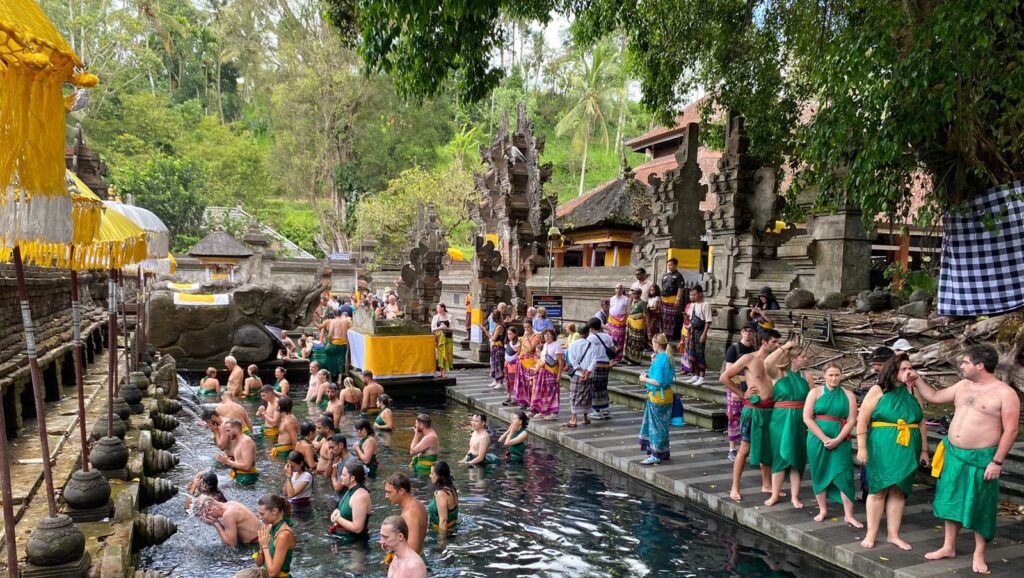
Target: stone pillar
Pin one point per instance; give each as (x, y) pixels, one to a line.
(842, 253)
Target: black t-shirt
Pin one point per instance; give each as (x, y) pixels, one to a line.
(671, 283)
(734, 353)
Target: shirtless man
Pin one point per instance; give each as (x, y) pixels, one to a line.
(235, 374)
(288, 429)
(336, 349)
(228, 408)
(981, 434)
(240, 455)
(271, 417)
(324, 431)
(340, 459)
(311, 391)
(398, 491)
(335, 406)
(424, 447)
(213, 422)
(394, 538)
(479, 442)
(235, 524)
(371, 391)
(757, 398)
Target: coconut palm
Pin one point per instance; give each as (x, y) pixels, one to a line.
(592, 93)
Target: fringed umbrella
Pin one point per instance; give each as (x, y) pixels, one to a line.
(35, 207)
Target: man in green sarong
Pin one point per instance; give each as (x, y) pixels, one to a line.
(336, 348)
(969, 460)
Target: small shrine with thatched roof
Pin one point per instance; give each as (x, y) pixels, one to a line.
(221, 255)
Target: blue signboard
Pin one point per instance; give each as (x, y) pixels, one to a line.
(552, 303)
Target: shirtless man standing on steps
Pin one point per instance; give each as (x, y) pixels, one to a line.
(969, 461)
(756, 414)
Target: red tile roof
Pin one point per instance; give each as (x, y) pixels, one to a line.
(659, 133)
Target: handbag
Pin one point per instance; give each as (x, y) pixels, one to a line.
(677, 419)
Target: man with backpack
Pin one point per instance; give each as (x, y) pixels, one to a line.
(582, 361)
(604, 352)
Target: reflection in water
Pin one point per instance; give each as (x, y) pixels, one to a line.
(554, 515)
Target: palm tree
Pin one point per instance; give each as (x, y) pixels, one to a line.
(591, 94)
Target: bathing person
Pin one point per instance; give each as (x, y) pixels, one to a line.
(307, 434)
(371, 391)
(298, 482)
(398, 491)
(890, 428)
(253, 383)
(324, 431)
(406, 563)
(228, 408)
(235, 373)
(969, 461)
(443, 508)
(235, 524)
(323, 382)
(210, 386)
(288, 429)
(212, 421)
(830, 414)
(787, 428)
(240, 455)
(755, 420)
(336, 349)
(366, 448)
(281, 385)
(269, 413)
(333, 403)
(654, 436)
(385, 419)
(479, 442)
(424, 447)
(350, 521)
(277, 540)
(350, 395)
(204, 484)
(314, 382)
(341, 458)
(514, 438)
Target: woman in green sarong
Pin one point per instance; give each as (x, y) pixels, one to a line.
(276, 539)
(890, 428)
(351, 520)
(366, 448)
(443, 509)
(830, 414)
(787, 430)
(514, 438)
(210, 386)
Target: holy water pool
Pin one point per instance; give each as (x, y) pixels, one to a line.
(556, 515)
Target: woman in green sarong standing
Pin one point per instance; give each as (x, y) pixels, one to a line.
(890, 428)
(830, 414)
(788, 433)
(276, 539)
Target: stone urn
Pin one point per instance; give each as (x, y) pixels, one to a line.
(99, 427)
(146, 368)
(55, 541)
(108, 454)
(122, 410)
(141, 380)
(87, 490)
(132, 395)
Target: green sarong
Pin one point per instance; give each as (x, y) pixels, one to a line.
(209, 393)
(787, 429)
(891, 463)
(337, 355)
(421, 464)
(760, 432)
(517, 452)
(831, 469)
(246, 478)
(489, 459)
(323, 404)
(962, 494)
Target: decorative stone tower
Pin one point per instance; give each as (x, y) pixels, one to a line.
(420, 287)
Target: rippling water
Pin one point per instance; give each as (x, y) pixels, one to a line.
(555, 515)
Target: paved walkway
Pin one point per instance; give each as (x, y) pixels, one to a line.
(701, 473)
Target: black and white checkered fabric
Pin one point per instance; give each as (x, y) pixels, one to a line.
(982, 270)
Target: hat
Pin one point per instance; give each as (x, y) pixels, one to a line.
(751, 325)
(902, 345)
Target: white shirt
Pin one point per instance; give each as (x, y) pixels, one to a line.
(600, 341)
(582, 354)
(618, 305)
(644, 287)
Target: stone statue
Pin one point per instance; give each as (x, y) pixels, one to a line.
(419, 289)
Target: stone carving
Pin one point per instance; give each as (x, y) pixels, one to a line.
(152, 530)
(205, 335)
(511, 204)
(675, 206)
(56, 540)
(420, 286)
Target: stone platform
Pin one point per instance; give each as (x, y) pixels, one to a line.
(701, 473)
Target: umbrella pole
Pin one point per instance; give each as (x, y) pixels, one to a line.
(76, 335)
(128, 347)
(8, 496)
(112, 349)
(37, 379)
(140, 337)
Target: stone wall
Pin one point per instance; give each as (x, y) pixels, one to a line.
(285, 273)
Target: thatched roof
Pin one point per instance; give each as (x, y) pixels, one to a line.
(620, 203)
(219, 244)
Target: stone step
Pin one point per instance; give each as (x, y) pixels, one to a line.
(711, 391)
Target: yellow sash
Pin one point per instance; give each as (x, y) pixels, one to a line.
(637, 324)
(336, 341)
(615, 322)
(903, 437)
(939, 459)
(671, 300)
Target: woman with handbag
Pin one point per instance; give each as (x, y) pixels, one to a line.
(545, 398)
(658, 409)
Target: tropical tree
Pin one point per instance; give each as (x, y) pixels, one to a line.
(592, 101)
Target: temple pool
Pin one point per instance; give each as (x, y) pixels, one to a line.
(556, 515)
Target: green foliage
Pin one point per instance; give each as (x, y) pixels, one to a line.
(903, 282)
(172, 188)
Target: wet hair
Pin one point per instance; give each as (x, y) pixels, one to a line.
(523, 418)
(364, 424)
(275, 502)
(888, 377)
(423, 419)
(211, 486)
(882, 354)
(595, 324)
(357, 471)
(398, 523)
(985, 355)
(340, 439)
(211, 372)
(297, 458)
(349, 381)
(284, 403)
(368, 374)
(767, 334)
(444, 477)
(209, 414)
(267, 388)
(234, 423)
(384, 400)
(481, 416)
(399, 481)
(306, 428)
(314, 362)
(326, 420)
(324, 372)
(253, 369)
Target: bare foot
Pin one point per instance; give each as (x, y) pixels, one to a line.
(772, 501)
(822, 514)
(941, 553)
(868, 544)
(735, 496)
(764, 490)
(797, 504)
(979, 564)
(853, 522)
(898, 542)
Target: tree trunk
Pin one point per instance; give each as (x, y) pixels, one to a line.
(583, 165)
(220, 99)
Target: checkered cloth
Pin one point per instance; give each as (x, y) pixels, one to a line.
(981, 271)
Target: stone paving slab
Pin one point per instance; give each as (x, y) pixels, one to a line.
(701, 473)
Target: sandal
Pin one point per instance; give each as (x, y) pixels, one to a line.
(586, 422)
(569, 424)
